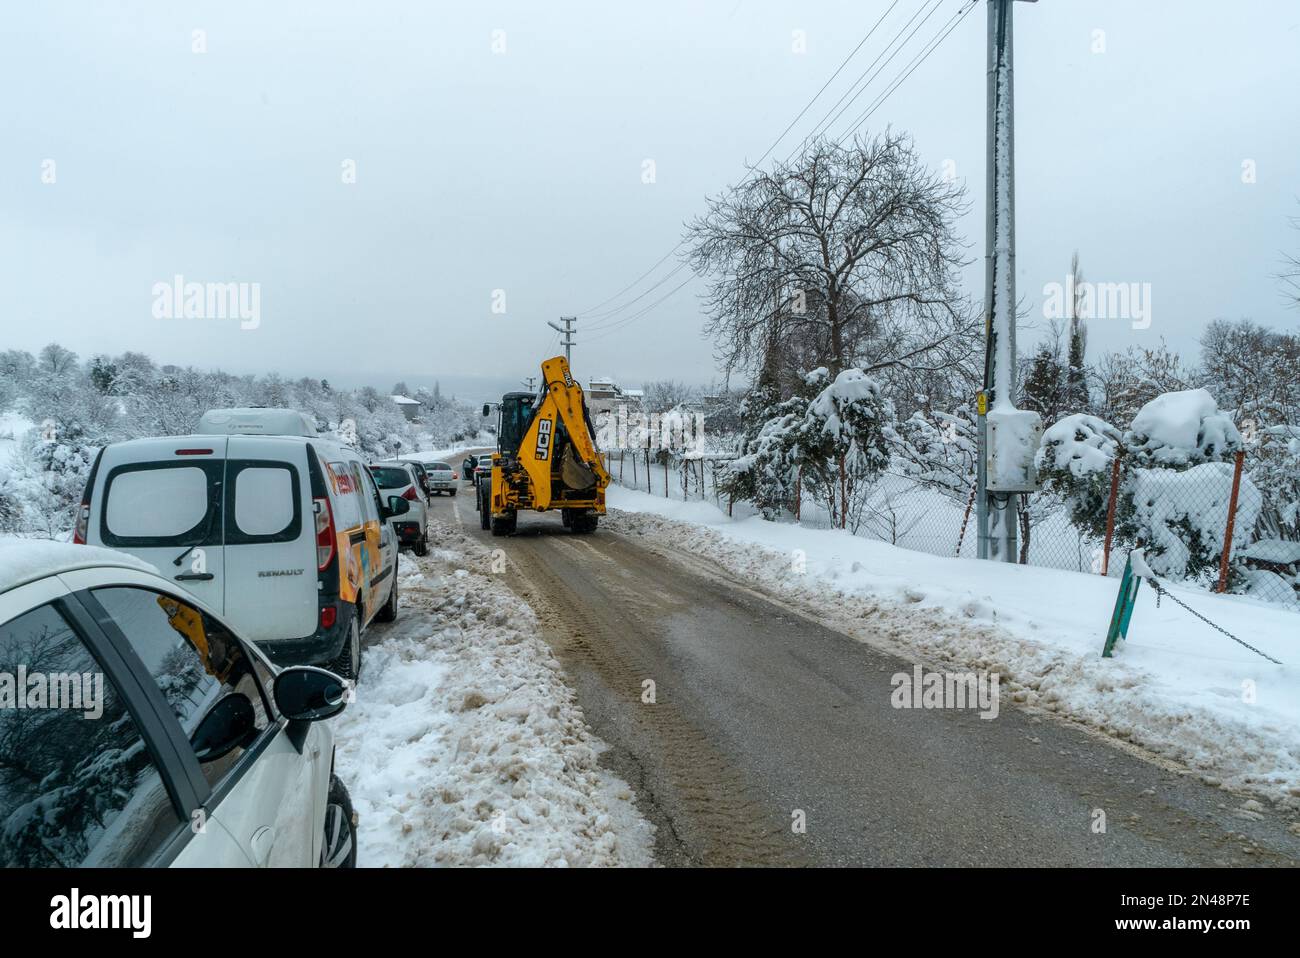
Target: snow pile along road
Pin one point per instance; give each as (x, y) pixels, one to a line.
(464, 745)
(1176, 687)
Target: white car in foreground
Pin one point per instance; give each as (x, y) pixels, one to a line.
(149, 733)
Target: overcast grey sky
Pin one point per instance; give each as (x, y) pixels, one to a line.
(521, 170)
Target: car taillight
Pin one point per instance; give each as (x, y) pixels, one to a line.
(455, 475)
(83, 524)
(324, 533)
(410, 493)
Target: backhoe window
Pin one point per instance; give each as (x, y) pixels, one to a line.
(515, 413)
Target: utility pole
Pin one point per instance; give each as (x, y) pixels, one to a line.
(528, 381)
(568, 322)
(1005, 433)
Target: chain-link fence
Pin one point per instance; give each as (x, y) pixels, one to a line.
(1209, 524)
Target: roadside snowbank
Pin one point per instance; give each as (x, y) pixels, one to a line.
(1175, 687)
(464, 745)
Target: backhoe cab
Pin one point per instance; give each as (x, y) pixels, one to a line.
(546, 457)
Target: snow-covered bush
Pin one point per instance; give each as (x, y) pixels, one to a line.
(1176, 480)
(1180, 429)
(854, 423)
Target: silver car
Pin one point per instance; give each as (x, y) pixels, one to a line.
(162, 738)
(442, 478)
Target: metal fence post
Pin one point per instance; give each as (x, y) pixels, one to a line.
(1240, 458)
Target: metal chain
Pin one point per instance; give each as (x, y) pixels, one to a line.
(1160, 590)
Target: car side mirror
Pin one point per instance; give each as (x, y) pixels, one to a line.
(304, 693)
(228, 725)
(487, 410)
(397, 506)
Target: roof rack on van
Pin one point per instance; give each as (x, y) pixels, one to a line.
(255, 422)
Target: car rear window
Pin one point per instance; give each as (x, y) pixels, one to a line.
(440, 465)
(390, 477)
(162, 504)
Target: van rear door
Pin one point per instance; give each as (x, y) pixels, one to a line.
(270, 540)
(161, 500)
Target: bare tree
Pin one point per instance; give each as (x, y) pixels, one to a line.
(845, 256)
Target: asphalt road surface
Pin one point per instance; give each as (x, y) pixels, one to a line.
(763, 718)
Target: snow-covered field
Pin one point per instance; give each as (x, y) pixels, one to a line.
(465, 746)
(1176, 687)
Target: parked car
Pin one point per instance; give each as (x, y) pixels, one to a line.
(282, 532)
(442, 477)
(398, 478)
(203, 753)
(422, 474)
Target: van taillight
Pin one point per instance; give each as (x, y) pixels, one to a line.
(83, 524)
(328, 616)
(324, 533)
(409, 493)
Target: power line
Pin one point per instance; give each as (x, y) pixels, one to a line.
(609, 319)
(641, 312)
(953, 22)
(609, 316)
(882, 66)
(766, 153)
(808, 105)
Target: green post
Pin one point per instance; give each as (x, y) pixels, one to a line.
(1124, 602)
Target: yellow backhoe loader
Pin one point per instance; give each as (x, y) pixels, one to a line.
(546, 457)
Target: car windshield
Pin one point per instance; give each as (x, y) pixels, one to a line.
(390, 477)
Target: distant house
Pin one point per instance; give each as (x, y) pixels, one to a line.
(603, 395)
(410, 407)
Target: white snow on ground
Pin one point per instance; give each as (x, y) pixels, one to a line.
(464, 745)
(453, 454)
(1176, 687)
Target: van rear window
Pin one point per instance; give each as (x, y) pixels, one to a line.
(263, 500)
(162, 504)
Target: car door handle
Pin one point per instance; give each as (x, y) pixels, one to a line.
(192, 576)
(260, 844)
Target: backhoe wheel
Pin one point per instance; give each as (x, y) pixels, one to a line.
(504, 525)
(484, 510)
(566, 518)
(585, 524)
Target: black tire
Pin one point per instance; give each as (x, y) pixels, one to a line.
(339, 848)
(582, 525)
(504, 525)
(348, 663)
(422, 547)
(388, 613)
(451, 492)
(566, 518)
(484, 511)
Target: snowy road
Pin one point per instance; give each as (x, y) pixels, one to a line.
(762, 716)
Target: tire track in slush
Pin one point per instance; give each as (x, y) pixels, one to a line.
(705, 810)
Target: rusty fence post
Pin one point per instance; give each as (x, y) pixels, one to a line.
(1224, 559)
(1110, 511)
(966, 518)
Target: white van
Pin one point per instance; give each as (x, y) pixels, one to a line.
(278, 529)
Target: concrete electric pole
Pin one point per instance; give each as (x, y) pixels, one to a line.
(567, 330)
(1008, 437)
